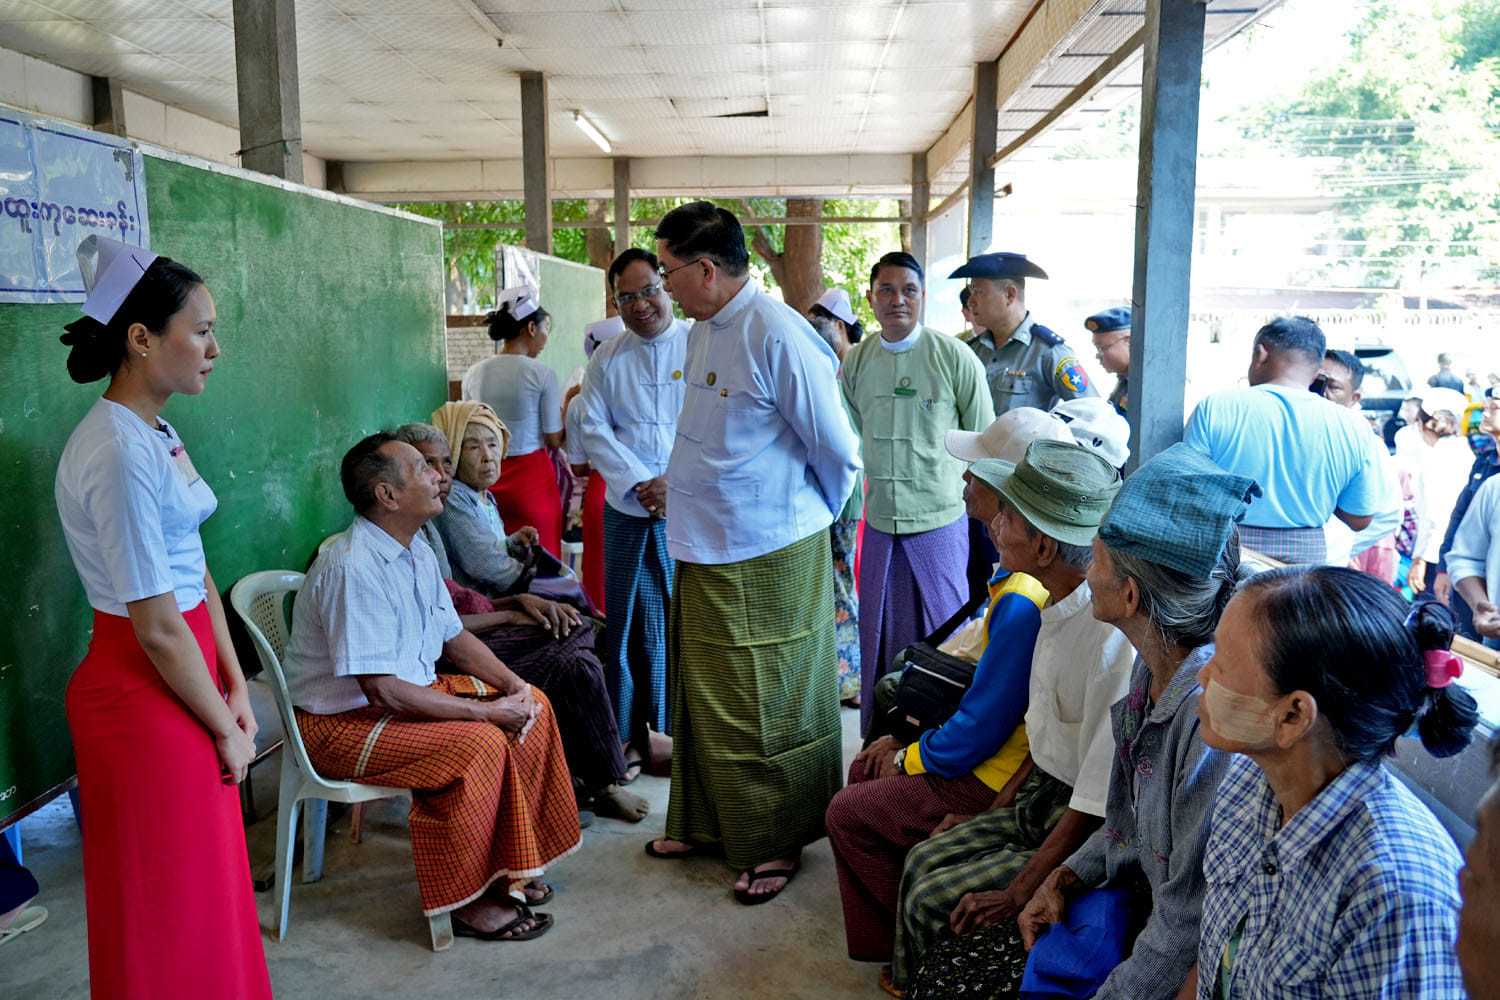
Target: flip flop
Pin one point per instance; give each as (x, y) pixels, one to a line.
(523, 913)
(697, 851)
(889, 985)
(547, 894)
(749, 898)
(29, 919)
(633, 762)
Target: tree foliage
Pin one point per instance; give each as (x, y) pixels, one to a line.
(848, 249)
(1412, 117)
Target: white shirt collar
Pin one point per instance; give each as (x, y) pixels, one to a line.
(904, 344)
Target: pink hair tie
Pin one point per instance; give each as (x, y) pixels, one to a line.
(1443, 667)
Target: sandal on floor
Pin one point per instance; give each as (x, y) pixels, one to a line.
(889, 985)
(28, 919)
(749, 898)
(633, 763)
(547, 894)
(523, 913)
(697, 850)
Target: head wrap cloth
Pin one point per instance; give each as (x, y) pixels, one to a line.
(453, 418)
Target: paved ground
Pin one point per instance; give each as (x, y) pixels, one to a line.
(627, 926)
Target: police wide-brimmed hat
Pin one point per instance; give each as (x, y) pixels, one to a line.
(999, 265)
(1109, 320)
(1062, 490)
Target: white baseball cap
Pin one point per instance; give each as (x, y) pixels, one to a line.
(1008, 437)
(836, 301)
(1435, 398)
(1097, 426)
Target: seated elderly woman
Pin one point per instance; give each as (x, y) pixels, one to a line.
(546, 643)
(1326, 876)
(1166, 562)
(482, 555)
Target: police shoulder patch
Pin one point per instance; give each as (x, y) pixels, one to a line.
(1070, 374)
(1045, 335)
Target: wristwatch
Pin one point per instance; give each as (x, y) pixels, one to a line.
(900, 760)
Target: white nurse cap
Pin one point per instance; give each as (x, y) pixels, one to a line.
(522, 300)
(598, 332)
(110, 270)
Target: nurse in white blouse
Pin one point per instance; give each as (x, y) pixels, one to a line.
(160, 715)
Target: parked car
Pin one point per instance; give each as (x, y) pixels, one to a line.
(1386, 386)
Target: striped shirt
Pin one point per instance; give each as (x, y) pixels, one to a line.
(1355, 896)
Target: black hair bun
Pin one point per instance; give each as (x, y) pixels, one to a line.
(1432, 623)
(93, 354)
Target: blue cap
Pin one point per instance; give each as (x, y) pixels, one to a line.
(1117, 318)
(999, 265)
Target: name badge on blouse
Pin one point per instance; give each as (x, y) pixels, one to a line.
(184, 465)
(903, 388)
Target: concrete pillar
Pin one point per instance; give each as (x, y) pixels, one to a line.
(109, 105)
(981, 148)
(1165, 186)
(536, 164)
(921, 195)
(622, 205)
(265, 60)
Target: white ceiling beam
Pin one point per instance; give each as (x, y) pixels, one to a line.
(869, 175)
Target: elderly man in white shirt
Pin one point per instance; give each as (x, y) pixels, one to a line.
(631, 397)
(492, 799)
(764, 458)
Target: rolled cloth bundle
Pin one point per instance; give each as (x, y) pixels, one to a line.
(452, 418)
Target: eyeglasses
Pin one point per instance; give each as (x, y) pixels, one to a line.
(625, 299)
(1101, 348)
(666, 272)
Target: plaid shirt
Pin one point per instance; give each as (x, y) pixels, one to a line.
(1356, 896)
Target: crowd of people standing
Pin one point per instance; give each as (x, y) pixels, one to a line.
(1160, 774)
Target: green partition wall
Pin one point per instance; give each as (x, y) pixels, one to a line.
(331, 326)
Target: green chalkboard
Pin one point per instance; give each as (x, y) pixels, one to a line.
(331, 326)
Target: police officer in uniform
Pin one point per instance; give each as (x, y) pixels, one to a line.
(1110, 330)
(1025, 363)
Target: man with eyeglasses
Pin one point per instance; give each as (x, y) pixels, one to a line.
(631, 397)
(1111, 332)
(764, 459)
(905, 390)
(1026, 363)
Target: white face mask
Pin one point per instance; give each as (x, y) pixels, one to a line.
(1242, 718)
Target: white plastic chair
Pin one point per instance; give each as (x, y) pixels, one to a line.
(259, 599)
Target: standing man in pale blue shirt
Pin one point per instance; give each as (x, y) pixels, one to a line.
(1311, 457)
(631, 398)
(764, 458)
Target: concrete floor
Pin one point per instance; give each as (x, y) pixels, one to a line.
(628, 926)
